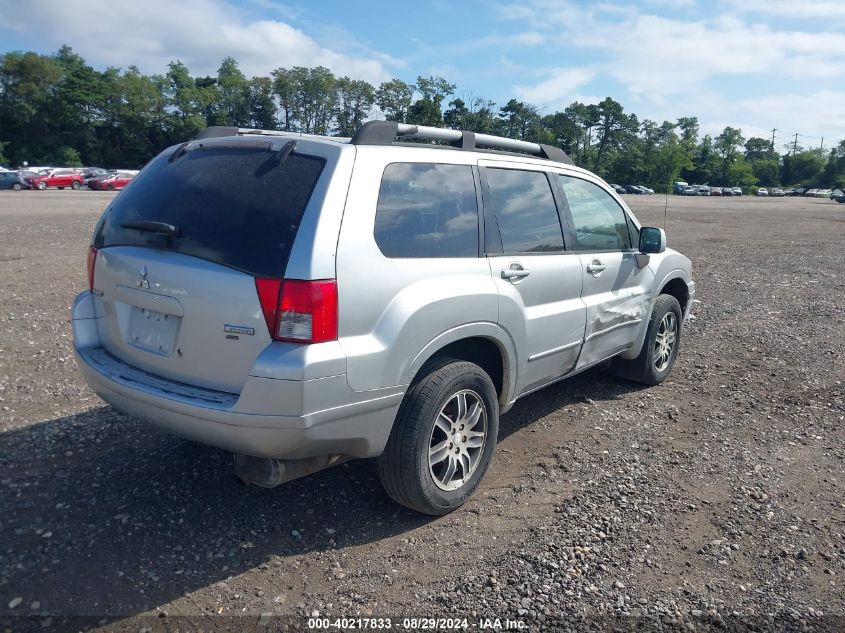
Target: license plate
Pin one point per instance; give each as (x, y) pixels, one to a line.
(152, 331)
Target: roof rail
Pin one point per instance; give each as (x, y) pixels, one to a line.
(386, 132)
(217, 131)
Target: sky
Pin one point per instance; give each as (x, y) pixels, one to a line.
(754, 64)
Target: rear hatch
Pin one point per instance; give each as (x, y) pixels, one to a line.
(178, 254)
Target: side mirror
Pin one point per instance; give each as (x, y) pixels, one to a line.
(652, 240)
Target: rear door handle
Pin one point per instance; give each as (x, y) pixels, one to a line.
(515, 273)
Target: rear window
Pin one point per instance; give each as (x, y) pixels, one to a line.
(235, 206)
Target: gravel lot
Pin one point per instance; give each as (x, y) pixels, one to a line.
(714, 500)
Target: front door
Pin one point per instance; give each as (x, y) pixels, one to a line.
(616, 289)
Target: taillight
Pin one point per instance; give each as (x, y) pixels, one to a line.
(299, 311)
(92, 261)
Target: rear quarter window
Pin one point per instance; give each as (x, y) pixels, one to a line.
(427, 210)
(235, 206)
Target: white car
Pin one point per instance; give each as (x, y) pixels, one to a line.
(762, 191)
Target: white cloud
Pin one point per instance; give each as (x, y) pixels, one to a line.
(149, 34)
(727, 68)
(558, 86)
(793, 9)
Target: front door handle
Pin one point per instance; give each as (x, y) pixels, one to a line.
(515, 273)
(596, 267)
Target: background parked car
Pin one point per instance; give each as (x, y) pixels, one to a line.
(715, 191)
(12, 180)
(635, 189)
(703, 190)
(840, 197)
(810, 193)
(727, 191)
(690, 191)
(823, 193)
(89, 173)
(59, 178)
(762, 191)
(647, 190)
(777, 192)
(110, 182)
(619, 189)
(678, 187)
(737, 191)
(836, 193)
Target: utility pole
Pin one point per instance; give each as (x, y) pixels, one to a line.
(773, 139)
(795, 144)
(821, 147)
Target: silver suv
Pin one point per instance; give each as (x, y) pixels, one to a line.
(305, 300)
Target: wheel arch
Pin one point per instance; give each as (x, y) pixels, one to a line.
(678, 288)
(485, 344)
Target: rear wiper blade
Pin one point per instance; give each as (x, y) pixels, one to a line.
(162, 228)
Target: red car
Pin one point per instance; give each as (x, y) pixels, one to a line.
(110, 182)
(60, 178)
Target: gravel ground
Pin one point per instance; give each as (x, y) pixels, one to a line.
(712, 501)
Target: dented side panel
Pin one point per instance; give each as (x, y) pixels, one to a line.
(618, 301)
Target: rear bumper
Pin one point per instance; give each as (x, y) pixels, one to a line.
(286, 419)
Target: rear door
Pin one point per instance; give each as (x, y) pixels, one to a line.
(183, 303)
(616, 289)
(539, 281)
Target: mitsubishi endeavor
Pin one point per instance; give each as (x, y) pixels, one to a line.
(304, 300)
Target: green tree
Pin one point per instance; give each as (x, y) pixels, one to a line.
(355, 99)
(27, 85)
(727, 147)
(757, 148)
(428, 109)
(803, 168)
(233, 101)
(284, 88)
(612, 125)
(519, 120)
(394, 99)
(67, 157)
(262, 107)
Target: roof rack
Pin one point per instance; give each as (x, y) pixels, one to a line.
(386, 132)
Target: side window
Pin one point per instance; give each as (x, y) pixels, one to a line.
(427, 210)
(600, 223)
(525, 210)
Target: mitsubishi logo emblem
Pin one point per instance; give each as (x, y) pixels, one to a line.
(142, 282)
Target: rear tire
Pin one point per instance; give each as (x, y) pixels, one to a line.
(110, 187)
(443, 438)
(17, 186)
(660, 348)
(42, 186)
(75, 185)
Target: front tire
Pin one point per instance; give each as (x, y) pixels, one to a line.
(443, 439)
(42, 186)
(75, 185)
(17, 186)
(660, 348)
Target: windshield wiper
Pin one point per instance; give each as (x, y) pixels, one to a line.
(161, 228)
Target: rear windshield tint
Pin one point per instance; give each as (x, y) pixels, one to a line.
(235, 206)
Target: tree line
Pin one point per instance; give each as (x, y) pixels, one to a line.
(57, 109)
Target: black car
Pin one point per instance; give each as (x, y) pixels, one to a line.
(838, 195)
(619, 189)
(12, 180)
(635, 189)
